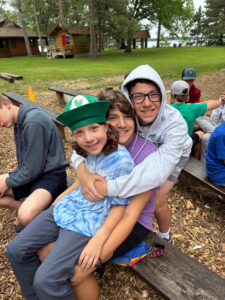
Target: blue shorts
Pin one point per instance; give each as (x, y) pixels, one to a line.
(54, 183)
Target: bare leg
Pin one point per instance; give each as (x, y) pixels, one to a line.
(8, 201)
(88, 289)
(33, 205)
(162, 210)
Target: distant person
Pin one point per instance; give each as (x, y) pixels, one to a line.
(215, 156)
(218, 115)
(179, 93)
(189, 75)
(40, 176)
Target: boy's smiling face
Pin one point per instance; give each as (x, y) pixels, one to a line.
(146, 111)
(91, 138)
(124, 125)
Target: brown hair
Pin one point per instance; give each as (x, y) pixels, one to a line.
(110, 146)
(180, 98)
(117, 100)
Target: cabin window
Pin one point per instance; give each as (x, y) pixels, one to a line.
(13, 43)
(3, 43)
(32, 42)
(67, 39)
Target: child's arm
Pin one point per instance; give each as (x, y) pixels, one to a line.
(73, 187)
(87, 181)
(119, 234)
(91, 253)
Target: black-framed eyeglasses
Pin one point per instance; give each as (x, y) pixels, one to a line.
(140, 97)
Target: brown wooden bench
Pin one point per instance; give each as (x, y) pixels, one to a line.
(177, 276)
(18, 100)
(197, 169)
(60, 92)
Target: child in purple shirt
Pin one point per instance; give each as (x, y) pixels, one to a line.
(121, 116)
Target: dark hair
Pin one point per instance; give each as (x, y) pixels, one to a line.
(110, 146)
(180, 98)
(132, 84)
(117, 100)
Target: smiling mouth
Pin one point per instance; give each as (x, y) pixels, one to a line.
(92, 146)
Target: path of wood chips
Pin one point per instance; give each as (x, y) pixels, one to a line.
(198, 217)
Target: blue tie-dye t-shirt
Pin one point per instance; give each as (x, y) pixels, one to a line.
(74, 212)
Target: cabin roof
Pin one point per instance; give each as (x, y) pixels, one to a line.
(142, 34)
(73, 31)
(9, 29)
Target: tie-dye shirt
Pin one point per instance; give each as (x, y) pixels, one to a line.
(74, 212)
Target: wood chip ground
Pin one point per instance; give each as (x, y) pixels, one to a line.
(198, 217)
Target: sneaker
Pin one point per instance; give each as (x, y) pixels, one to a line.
(169, 240)
(19, 227)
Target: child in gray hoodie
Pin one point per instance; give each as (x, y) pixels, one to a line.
(165, 127)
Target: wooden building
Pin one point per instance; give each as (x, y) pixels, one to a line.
(142, 35)
(72, 41)
(12, 41)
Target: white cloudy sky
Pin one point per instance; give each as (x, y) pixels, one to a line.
(197, 3)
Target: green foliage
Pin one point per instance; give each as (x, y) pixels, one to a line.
(197, 29)
(41, 73)
(214, 25)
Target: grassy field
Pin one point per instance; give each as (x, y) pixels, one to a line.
(169, 62)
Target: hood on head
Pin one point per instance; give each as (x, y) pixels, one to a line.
(146, 72)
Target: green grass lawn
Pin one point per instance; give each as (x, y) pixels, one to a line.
(169, 62)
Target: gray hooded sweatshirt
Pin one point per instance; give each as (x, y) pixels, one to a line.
(39, 147)
(169, 131)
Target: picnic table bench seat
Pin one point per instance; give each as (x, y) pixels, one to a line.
(60, 92)
(19, 100)
(197, 169)
(177, 276)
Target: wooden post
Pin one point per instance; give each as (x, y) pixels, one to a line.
(60, 98)
(142, 43)
(146, 43)
(134, 43)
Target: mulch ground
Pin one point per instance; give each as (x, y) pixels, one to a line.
(198, 223)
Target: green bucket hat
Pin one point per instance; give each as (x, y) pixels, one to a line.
(83, 110)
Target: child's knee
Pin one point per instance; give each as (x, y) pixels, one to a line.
(14, 252)
(26, 215)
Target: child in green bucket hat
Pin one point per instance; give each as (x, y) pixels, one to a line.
(79, 227)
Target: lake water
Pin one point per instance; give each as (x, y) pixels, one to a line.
(153, 41)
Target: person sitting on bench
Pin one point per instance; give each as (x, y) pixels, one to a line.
(79, 227)
(179, 93)
(215, 156)
(40, 176)
(189, 75)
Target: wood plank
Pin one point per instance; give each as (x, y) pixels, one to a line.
(197, 169)
(65, 91)
(177, 276)
(61, 91)
(18, 77)
(7, 77)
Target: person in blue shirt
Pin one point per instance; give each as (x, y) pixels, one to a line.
(76, 224)
(215, 156)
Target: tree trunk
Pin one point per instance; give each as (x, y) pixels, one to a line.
(61, 14)
(128, 47)
(221, 39)
(158, 34)
(24, 28)
(92, 30)
(37, 25)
